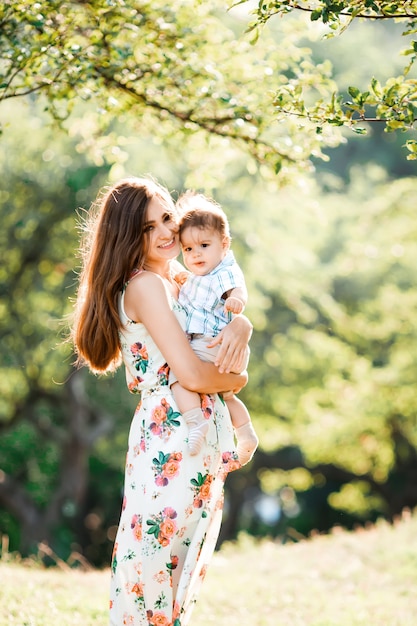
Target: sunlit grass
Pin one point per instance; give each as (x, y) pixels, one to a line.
(31, 596)
(366, 578)
(363, 578)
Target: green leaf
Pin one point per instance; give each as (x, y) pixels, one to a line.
(316, 15)
(354, 92)
(376, 87)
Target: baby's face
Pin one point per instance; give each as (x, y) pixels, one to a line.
(202, 249)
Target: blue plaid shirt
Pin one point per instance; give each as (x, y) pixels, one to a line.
(201, 296)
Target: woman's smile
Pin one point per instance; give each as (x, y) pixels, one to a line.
(168, 244)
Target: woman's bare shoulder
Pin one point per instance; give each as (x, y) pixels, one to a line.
(145, 292)
(142, 281)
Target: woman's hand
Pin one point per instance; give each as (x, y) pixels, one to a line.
(233, 341)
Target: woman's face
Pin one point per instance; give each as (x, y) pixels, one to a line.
(161, 231)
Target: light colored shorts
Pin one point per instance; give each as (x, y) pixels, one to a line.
(199, 345)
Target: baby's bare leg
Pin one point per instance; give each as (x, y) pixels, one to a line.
(186, 400)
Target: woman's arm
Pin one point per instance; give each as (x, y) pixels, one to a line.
(146, 300)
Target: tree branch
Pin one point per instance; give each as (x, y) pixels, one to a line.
(382, 16)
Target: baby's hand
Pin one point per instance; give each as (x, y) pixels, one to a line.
(234, 305)
(181, 277)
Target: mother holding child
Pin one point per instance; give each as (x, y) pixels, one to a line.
(128, 310)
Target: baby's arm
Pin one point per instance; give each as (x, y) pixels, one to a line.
(236, 300)
(181, 277)
(233, 339)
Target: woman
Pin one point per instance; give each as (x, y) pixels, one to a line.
(127, 309)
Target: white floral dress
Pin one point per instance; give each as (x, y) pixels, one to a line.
(172, 503)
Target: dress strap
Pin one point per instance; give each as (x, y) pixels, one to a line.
(134, 273)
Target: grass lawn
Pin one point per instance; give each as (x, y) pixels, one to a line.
(363, 578)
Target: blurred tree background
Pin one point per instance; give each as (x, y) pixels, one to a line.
(323, 223)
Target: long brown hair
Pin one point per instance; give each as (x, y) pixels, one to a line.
(112, 246)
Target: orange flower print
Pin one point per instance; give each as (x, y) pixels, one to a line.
(137, 589)
(163, 374)
(159, 415)
(166, 467)
(159, 618)
(163, 541)
(202, 489)
(128, 620)
(171, 468)
(140, 356)
(168, 528)
(163, 526)
(205, 488)
(164, 419)
(174, 563)
(161, 576)
(136, 526)
(207, 405)
(134, 384)
(230, 462)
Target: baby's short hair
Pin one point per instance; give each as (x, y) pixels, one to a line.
(198, 211)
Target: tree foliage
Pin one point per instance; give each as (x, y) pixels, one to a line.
(177, 66)
(174, 66)
(321, 102)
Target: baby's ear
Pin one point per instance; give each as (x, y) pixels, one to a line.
(226, 242)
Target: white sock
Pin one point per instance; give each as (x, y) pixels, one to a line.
(247, 442)
(198, 427)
